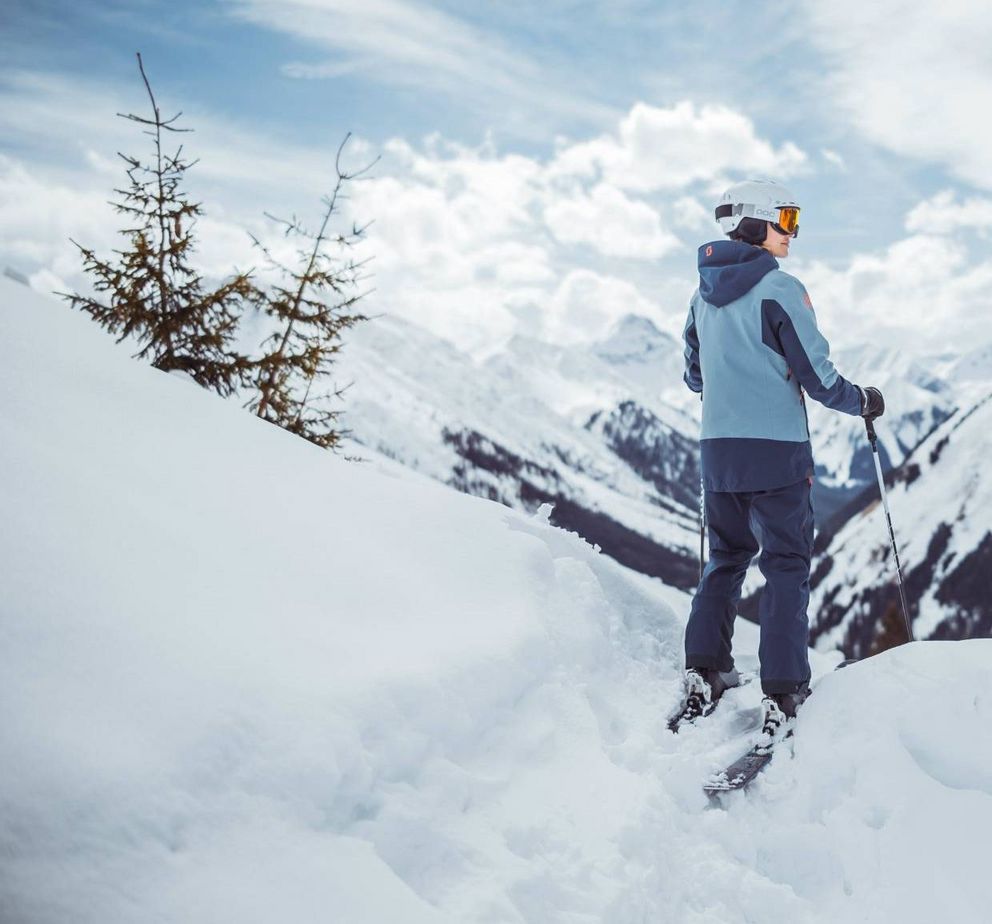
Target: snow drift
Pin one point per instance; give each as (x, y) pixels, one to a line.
(245, 680)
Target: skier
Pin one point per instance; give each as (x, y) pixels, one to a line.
(752, 348)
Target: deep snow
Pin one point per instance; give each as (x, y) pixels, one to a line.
(245, 680)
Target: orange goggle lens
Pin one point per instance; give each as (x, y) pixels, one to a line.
(788, 220)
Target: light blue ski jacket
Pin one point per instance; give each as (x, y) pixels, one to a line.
(751, 348)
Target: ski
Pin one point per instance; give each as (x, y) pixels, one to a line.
(744, 769)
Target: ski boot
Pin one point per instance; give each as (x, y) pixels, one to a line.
(703, 689)
(780, 714)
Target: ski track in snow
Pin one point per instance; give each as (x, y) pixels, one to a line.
(244, 680)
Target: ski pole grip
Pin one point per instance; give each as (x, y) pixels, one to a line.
(870, 427)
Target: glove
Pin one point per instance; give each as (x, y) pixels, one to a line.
(872, 404)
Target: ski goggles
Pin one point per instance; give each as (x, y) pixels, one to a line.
(785, 220)
(788, 220)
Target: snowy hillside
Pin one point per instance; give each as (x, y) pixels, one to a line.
(941, 502)
(535, 424)
(244, 680)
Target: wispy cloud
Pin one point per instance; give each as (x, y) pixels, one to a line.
(833, 158)
(64, 120)
(916, 79)
(415, 37)
(328, 70)
(415, 45)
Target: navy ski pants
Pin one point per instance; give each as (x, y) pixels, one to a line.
(782, 520)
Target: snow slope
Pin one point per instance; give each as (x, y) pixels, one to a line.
(245, 680)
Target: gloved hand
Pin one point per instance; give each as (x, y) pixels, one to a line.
(873, 404)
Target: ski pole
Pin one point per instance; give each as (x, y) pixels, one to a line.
(872, 438)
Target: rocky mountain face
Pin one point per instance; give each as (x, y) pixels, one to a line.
(941, 505)
(919, 395)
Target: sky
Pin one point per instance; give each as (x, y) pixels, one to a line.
(537, 169)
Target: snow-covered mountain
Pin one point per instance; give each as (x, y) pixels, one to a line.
(918, 395)
(972, 368)
(608, 433)
(244, 680)
(583, 429)
(941, 505)
(636, 350)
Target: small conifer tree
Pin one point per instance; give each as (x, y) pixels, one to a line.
(312, 305)
(148, 291)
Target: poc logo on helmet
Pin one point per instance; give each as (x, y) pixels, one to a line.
(709, 251)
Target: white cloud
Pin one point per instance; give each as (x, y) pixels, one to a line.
(833, 158)
(944, 213)
(515, 265)
(610, 221)
(468, 241)
(915, 78)
(691, 214)
(669, 149)
(920, 293)
(38, 217)
(586, 305)
(495, 237)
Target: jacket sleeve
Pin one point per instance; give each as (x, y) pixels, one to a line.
(789, 327)
(693, 376)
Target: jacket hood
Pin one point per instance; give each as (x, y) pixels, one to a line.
(729, 269)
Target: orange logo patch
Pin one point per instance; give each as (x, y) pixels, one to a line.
(808, 300)
(709, 251)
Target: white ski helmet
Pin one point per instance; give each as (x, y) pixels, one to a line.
(763, 200)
